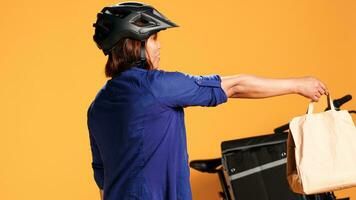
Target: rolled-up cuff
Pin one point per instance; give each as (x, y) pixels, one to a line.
(213, 81)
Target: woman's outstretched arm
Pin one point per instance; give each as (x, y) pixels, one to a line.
(250, 86)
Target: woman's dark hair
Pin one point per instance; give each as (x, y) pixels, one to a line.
(123, 56)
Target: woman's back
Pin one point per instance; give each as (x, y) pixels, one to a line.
(137, 132)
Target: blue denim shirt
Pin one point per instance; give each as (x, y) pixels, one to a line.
(137, 132)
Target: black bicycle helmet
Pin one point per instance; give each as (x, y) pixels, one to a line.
(133, 20)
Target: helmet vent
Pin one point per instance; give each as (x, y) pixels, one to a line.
(142, 22)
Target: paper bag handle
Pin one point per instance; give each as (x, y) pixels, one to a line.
(330, 102)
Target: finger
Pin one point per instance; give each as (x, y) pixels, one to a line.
(321, 91)
(317, 94)
(326, 92)
(322, 85)
(315, 98)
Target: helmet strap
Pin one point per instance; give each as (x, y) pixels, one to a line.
(143, 55)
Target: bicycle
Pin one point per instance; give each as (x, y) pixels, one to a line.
(215, 166)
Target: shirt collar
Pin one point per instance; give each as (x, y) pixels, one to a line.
(138, 68)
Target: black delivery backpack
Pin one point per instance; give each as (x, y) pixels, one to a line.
(255, 169)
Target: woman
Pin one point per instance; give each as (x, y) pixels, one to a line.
(136, 121)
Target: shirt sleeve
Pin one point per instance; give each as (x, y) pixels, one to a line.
(176, 89)
(97, 163)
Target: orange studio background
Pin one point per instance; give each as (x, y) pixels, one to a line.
(50, 70)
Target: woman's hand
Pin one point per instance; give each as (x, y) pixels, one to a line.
(310, 87)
